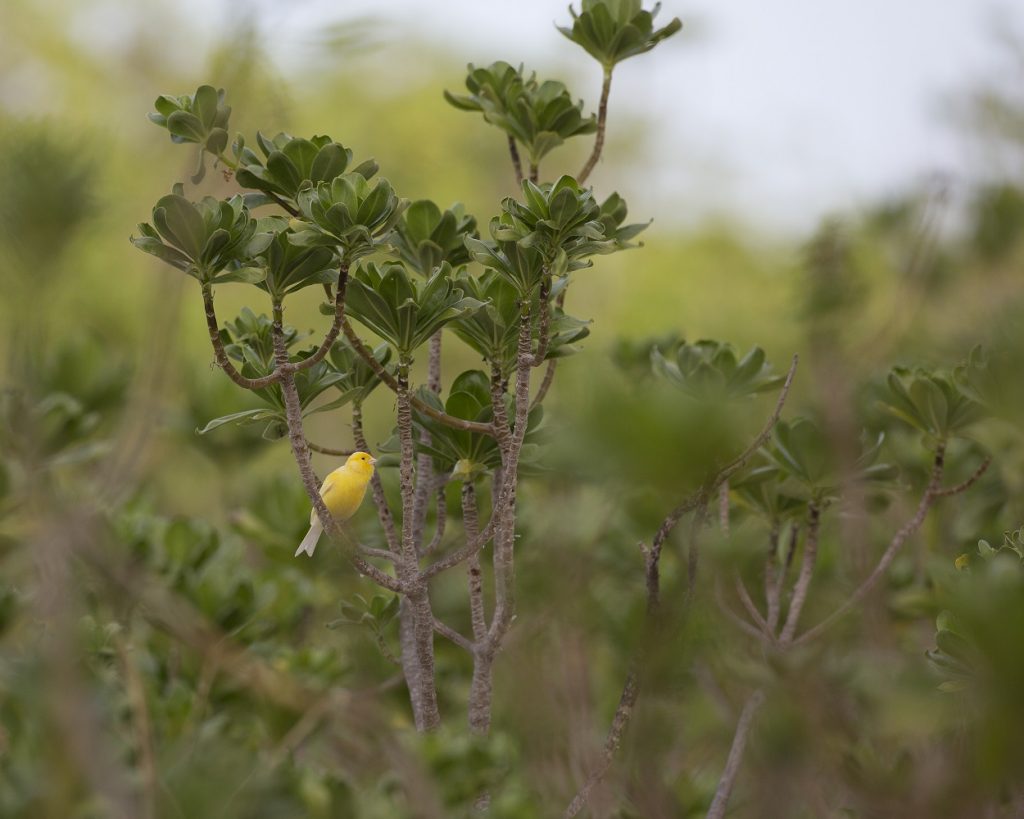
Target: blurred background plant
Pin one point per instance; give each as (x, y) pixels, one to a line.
(157, 637)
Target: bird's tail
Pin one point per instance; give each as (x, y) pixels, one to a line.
(309, 541)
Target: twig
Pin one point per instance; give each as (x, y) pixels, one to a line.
(602, 119)
(890, 553)
(380, 554)
(517, 165)
(732, 764)
(390, 382)
(453, 635)
(803, 582)
(221, 355)
(737, 463)
(623, 713)
(733, 617)
(326, 450)
(748, 604)
(963, 487)
(545, 384)
(332, 333)
(534, 172)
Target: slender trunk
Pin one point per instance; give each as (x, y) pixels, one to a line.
(418, 630)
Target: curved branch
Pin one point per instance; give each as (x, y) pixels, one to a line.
(602, 119)
(220, 354)
(453, 635)
(963, 487)
(803, 582)
(732, 764)
(332, 334)
(905, 531)
(326, 450)
(392, 384)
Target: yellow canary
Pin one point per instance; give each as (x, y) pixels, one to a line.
(343, 491)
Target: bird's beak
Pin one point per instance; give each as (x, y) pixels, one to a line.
(373, 461)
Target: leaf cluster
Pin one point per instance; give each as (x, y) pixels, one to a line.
(611, 31)
(540, 116)
(404, 310)
(201, 118)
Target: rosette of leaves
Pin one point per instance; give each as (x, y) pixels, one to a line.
(358, 378)
(404, 310)
(211, 240)
(611, 31)
(561, 220)
(374, 614)
(348, 214)
(931, 402)
(291, 164)
(425, 236)
(473, 453)
(201, 118)
(249, 341)
(800, 453)
(709, 371)
(290, 267)
(493, 331)
(540, 116)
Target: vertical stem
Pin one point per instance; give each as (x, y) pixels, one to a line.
(723, 507)
(803, 582)
(773, 576)
(732, 764)
(602, 119)
(419, 632)
(424, 463)
(387, 521)
(471, 523)
(517, 164)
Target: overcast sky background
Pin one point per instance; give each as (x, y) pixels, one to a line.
(777, 112)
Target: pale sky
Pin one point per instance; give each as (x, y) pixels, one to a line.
(778, 112)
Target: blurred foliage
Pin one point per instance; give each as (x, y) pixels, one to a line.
(178, 558)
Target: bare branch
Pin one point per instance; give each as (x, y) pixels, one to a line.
(221, 355)
(729, 469)
(803, 582)
(602, 120)
(623, 713)
(326, 450)
(332, 333)
(544, 320)
(517, 164)
(890, 553)
(732, 764)
(453, 635)
(963, 487)
(748, 604)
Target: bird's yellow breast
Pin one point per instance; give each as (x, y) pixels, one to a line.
(343, 491)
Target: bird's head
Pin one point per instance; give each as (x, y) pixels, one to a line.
(361, 463)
